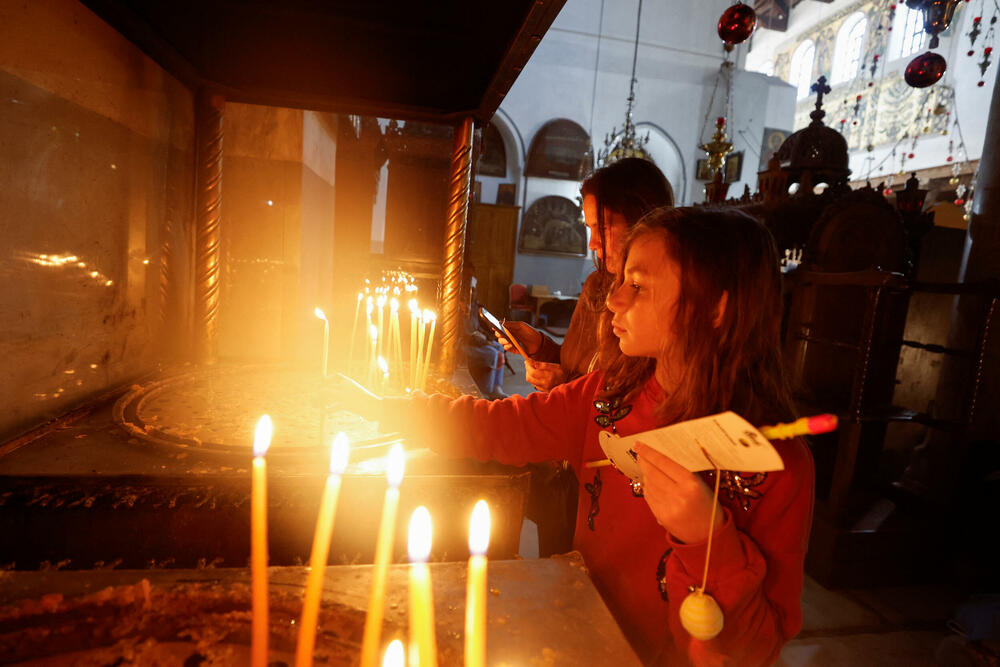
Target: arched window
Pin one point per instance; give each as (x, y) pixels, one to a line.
(907, 32)
(801, 68)
(847, 52)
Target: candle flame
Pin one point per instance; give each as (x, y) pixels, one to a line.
(419, 545)
(396, 465)
(394, 655)
(479, 529)
(414, 308)
(373, 332)
(381, 301)
(394, 304)
(339, 453)
(384, 365)
(429, 315)
(360, 297)
(262, 436)
(369, 305)
(318, 312)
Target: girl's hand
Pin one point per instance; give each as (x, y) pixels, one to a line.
(679, 499)
(542, 375)
(359, 400)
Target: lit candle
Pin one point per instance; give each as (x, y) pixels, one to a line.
(428, 316)
(320, 551)
(396, 350)
(372, 356)
(258, 543)
(395, 655)
(383, 554)
(381, 324)
(326, 338)
(422, 641)
(414, 319)
(354, 332)
(383, 367)
(475, 592)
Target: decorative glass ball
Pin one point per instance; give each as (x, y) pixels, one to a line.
(701, 616)
(737, 23)
(925, 70)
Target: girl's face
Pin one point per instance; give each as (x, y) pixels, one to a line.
(644, 304)
(615, 231)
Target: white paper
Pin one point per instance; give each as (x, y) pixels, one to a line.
(726, 438)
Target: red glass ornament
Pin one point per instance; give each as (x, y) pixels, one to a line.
(925, 70)
(988, 50)
(910, 156)
(949, 159)
(981, 84)
(892, 7)
(875, 57)
(977, 19)
(959, 202)
(737, 23)
(971, 53)
(857, 99)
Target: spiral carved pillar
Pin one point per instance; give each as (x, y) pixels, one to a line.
(459, 177)
(208, 185)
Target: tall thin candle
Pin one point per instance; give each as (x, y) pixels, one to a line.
(428, 315)
(354, 333)
(383, 554)
(396, 351)
(414, 322)
(326, 337)
(380, 302)
(422, 640)
(475, 594)
(260, 626)
(320, 551)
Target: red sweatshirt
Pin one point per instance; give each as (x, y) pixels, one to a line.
(643, 574)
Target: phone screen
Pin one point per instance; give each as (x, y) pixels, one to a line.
(491, 318)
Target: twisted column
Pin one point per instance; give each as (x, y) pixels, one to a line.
(208, 197)
(460, 173)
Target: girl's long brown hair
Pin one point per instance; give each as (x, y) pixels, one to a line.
(631, 187)
(736, 365)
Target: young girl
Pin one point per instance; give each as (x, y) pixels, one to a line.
(695, 314)
(615, 198)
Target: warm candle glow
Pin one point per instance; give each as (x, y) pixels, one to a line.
(414, 308)
(395, 655)
(339, 454)
(383, 554)
(383, 365)
(479, 529)
(423, 642)
(318, 312)
(262, 436)
(394, 307)
(396, 465)
(373, 333)
(475, 592)
(260, 626)
(419, 543)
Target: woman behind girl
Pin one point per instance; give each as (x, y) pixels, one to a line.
(695, 320)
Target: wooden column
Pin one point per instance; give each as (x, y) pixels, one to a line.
(460, 173)
(208, 198)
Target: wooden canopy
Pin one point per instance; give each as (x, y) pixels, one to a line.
(432, 61)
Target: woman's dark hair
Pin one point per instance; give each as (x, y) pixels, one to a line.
(631, 187)
(737, 364)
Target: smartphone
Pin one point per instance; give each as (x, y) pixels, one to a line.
(499, 327)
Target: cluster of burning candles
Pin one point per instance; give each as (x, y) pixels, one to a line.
(383, 359)
(422, 642)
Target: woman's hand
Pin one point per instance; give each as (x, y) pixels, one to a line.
(542, 375)
(359, 400)
(528, 336)
(679, 499)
